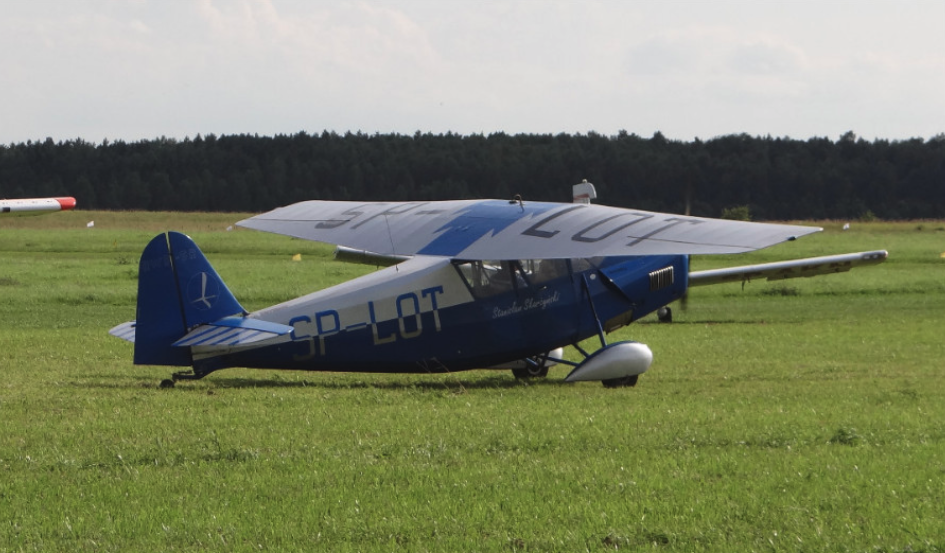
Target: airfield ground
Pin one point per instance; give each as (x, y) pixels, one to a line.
(794, 416)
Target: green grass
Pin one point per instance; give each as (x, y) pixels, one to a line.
(802, 415)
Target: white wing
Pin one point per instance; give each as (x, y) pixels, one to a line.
(499, 229)
(811, 266)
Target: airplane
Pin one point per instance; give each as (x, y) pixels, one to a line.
(35, 206)
(471, 284)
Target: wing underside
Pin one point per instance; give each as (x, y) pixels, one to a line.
(795, 268)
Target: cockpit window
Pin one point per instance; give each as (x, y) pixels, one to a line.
(488, 278)
(579, 265)
(543, 270)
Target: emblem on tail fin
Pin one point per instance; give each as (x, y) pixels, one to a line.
(202, 291)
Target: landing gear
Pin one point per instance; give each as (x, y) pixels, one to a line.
(622, 382)
(531, 371)
(664, 314)
(182, 375)
(615, 365)
(189, 375)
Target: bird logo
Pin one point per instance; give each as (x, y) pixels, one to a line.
(202, 291)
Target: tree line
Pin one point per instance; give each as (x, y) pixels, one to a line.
(774, 178)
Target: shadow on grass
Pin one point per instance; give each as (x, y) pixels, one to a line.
(419, 383)
(705, 322)
(449, 382)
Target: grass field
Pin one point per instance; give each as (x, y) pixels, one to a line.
(794, 416)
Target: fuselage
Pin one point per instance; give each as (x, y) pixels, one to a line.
(433, 314)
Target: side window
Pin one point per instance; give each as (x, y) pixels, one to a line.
(488, 278)
(579, 265)
(543, 270)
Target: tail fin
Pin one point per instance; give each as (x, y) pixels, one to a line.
(177, 291)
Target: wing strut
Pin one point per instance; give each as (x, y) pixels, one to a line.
(590, 301)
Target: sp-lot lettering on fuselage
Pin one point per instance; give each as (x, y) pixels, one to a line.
(409, 308)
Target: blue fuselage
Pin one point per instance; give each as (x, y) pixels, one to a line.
(436, 315)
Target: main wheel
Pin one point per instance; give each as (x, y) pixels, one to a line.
(531, 371)
(664, 314)
(622, 382)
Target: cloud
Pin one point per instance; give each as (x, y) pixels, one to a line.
(765, 58)
(663, 55)
(141, 69)
(713, 51)
(357, 38)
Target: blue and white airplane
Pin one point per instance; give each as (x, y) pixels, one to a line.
(477, 284)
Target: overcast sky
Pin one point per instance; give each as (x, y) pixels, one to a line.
(141, 69)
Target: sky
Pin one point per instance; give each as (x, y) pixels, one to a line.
(142, 69)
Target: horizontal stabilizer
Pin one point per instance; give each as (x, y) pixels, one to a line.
(811, 266)
(234, 332)
(125, 331)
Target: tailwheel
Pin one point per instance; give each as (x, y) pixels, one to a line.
(186, 375)
(183, 375)
(193, 374)
(622, 382)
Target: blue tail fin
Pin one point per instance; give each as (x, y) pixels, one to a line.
(177, 290)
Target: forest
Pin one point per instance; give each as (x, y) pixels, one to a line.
(774, 178)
